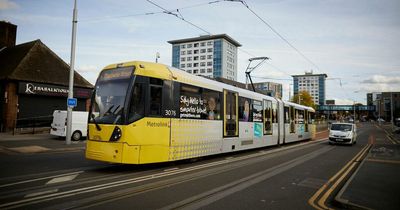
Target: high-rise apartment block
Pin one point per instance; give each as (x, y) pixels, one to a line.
(211, 56)
(314, 84)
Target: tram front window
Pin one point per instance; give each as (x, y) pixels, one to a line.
(109, 96)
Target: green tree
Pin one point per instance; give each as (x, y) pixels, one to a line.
(305, 99)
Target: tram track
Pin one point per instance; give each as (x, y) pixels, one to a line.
(127, 181)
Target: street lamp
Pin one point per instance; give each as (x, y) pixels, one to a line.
(157, 56)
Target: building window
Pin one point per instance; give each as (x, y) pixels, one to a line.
(209, 43)
(196, 45)
(209, 63)
(189, 46)
(209, 50)
(189, 65)
(203, 64)
(189, 52)
(189, 58)
(182, 65)
(203, 51)
(209, 70)
(196, 58)
(203, 44)
(209, 57)
(195, 64)
(183, 59)
(183, 46)
(203, 57)
(183, 52)
(195, 51)
(189, 71)
(195, 71)
(202, 71)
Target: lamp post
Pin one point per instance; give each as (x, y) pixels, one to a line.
(391, 109)
(71, 75)
(157, 56)
(354, 112)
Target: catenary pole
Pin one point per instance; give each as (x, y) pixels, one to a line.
(71, 75)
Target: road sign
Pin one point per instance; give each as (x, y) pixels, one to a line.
(72, 102)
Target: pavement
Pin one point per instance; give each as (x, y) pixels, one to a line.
(376, 183)
(36, 143)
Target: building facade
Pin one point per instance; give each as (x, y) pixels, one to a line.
(385, 104)
(314, 84)
(274, 88)
(211, 56)
(34, 83)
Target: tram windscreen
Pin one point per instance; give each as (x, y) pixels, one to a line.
(109, 95)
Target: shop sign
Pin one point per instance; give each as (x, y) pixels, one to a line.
(31, 88)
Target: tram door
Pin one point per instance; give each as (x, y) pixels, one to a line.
(231, 117)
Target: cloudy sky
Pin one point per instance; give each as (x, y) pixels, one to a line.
(355, 42)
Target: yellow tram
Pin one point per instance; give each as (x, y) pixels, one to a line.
(144, 112)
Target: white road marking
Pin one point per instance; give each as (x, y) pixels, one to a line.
(38, 179)
(40, 193)
(171, 169)
(62, 179)
(57, 195)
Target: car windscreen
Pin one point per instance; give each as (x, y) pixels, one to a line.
(341, 127)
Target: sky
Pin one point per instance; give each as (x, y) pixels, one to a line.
(355, 42)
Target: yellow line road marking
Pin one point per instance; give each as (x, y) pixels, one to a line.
(383, 161)
(311, 201)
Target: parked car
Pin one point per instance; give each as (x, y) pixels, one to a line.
(397, 122)
(380, 120)
(343, 133)
(79, 124)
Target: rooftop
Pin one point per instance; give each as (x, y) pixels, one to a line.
(206, 37)
(35, 62)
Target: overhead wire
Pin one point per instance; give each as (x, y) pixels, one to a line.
(90, 19)
(277, 33)
(179, 16)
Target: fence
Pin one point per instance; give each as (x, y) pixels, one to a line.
(32, 123)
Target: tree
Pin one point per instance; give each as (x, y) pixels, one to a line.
(305, 99)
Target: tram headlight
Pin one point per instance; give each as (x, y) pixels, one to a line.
(116, 134)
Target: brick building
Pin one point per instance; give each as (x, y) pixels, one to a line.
(33, 81)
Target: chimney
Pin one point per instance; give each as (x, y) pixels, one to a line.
(8, 34)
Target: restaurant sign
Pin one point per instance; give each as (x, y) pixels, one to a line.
(31, 88)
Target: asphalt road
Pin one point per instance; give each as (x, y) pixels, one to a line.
(283, 177)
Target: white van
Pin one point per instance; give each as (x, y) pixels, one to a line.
(79, 124)
(343, 133)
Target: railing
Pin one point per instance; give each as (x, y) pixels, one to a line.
(33, 123)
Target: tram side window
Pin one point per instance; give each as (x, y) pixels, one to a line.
(274, 113)
(292, 117)
(155, 97)
(300, 116)
(136, 109)
(199, 103)
(257, 111)
(287, 120)
(212, 105)
(245, 109)
(268, 117)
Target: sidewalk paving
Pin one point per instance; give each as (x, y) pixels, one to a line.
(36, 143)
(376, 182)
